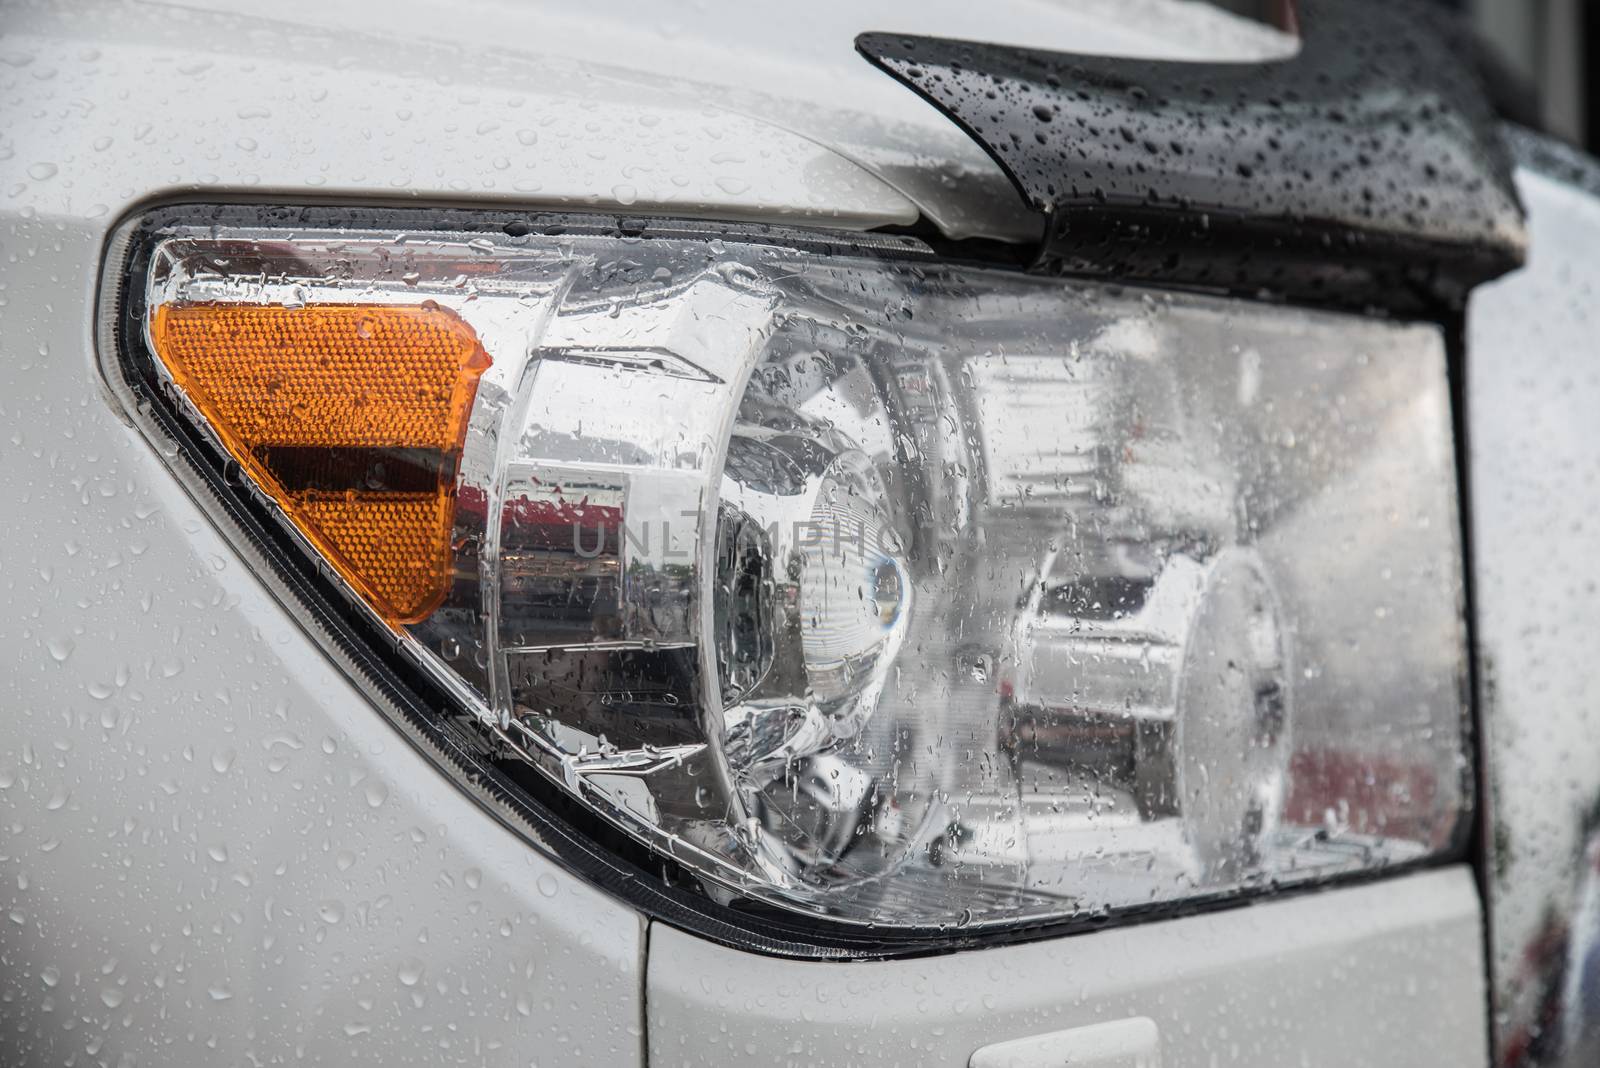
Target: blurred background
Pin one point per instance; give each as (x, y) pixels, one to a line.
(1545, 45)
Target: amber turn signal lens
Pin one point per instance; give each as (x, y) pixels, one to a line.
(351, 417)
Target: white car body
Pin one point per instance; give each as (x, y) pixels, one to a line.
(214, 851)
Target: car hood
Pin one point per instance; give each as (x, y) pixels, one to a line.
(733, 110)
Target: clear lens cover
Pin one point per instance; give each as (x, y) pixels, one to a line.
(902, 593)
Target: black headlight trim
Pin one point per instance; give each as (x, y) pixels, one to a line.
(1367, 170)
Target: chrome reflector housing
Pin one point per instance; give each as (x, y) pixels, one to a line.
(915, 595)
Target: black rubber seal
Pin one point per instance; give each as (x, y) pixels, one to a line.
(1366, 171)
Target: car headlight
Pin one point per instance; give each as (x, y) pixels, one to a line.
(851, 581)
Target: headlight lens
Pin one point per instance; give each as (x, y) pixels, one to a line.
(868, 586)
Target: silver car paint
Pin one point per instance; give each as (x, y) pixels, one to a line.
(1389, 973)
(1533, 389)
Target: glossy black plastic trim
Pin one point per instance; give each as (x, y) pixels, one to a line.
(519, 797)
(1366, 171)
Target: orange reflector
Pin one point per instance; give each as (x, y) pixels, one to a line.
(351, 416)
